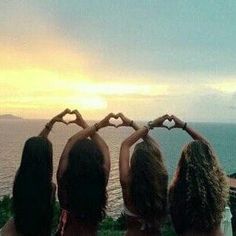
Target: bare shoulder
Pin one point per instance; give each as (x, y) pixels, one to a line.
(9, 229)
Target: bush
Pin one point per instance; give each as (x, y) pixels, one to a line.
(5, 210)
(108, 227)
(111, 224)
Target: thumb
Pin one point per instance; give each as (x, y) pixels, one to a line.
(110, 124)
(164, 126)
(120, 125)
(64, 122)
(71, 122)
(172, 127)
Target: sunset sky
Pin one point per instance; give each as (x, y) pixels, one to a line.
(144, 58)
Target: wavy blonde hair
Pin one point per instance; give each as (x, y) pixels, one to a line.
(199, 191)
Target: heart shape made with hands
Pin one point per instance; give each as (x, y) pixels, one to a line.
(69, 117)
(169, 124)
(116, 120)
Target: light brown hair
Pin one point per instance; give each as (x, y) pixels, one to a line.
(149, 179)
(199, 191)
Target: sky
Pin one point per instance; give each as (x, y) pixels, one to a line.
(143, 58)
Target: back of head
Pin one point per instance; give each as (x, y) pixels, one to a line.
(199, 192)
(32, 190)
(85, 182)
(149, 179)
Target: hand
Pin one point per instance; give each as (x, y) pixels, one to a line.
(106, 121)
(159, 121)
(178, 123)
(59, 117)
(79, 119)
(125, 120)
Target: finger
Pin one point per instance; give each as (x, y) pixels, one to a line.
(74, 111)
(172, 127)
(113, 115)
(71, 122)
(60, 115)
(170, 118)
(77, 114)
(120, 125)
(63, 121)
(110, 124)
(121, 115)
(108, 116)
(67, 110)
(164, 126)
(165, 117)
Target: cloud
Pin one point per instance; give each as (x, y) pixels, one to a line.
(228, 85)
(56, 53)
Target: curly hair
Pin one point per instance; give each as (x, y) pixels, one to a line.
(32, 189)
(199, 191)
(85, 182)
(148, 186)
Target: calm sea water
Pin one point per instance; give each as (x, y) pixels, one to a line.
(13, 134)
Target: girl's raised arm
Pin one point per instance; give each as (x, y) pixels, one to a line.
(58, 118)
(99, 141)
(85, 133)
(131, 140)
(183, 125)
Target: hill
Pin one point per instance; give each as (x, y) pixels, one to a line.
(9, 117)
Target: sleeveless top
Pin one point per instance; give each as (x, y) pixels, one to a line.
(226, 225)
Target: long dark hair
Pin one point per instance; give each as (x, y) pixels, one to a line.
(85, 182)
(148, 187)
(199, 192)
(32, 190)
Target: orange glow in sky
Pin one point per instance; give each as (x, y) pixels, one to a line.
(56, 55)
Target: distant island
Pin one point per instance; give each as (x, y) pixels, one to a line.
(9, 117)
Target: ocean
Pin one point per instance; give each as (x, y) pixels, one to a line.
(13, 134)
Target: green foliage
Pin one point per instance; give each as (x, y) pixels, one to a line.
(56, 216)
(167, 229)
(5, 210)
(121, 222)
(109, 226)
(110, 232)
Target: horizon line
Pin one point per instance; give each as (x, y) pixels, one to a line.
(142, 121)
